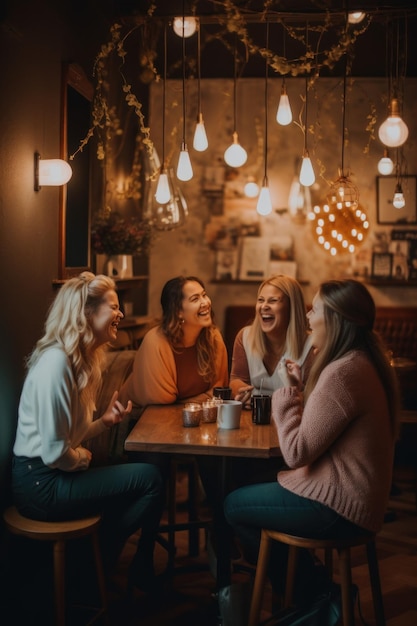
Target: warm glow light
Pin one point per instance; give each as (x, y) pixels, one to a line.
(162, 194)
(284, 113)
(51, 172)
(307, 176)
(251, 189)
(399, 200)
(385, 165)
(394, 131)
(184, 168)
(355, 17)
(235, 155)
(264, 206)
(200, 142)
(186, 30)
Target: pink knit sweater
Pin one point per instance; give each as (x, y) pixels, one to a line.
(340, 448)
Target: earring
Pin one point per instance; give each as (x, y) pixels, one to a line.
(182, 320)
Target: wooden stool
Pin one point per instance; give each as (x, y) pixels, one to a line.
(59, 533)
(342, 546)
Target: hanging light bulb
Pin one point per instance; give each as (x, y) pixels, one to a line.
(162, 194)
(284, 113)
(394, 131)
(399, 200)
(307, 176)
(184, 26)
(169, 215)
(200, 142)
(251, 188)
(264, 205)
(355, 17)
(235, 155)
(385, 164)
(184, 169)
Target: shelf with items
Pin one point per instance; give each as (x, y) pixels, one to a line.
(237, 281)
(391, 282)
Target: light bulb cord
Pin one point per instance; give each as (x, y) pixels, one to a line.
(198, 73)
(183, 72)
(235, 85)
(164, 97)
(266, 103)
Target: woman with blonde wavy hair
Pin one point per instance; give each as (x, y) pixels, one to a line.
(51, 477)
(279, 331)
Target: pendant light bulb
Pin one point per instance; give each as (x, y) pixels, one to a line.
(284, 113)
(355, 17)
(184, 169)
(385, 165)
(394, 131)
(163, 193)
(235, 155)
(251, 188)
(184, 27)
(399, 200)
(200, 142)
(307, 176)
(264, 205)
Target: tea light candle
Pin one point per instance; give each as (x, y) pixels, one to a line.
(209, 414)
(191, 414)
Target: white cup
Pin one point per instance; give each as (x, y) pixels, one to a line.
(228, 414)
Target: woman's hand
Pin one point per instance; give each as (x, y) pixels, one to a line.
(115, 412)
(290, 373)
(244, 394)
(84, 458)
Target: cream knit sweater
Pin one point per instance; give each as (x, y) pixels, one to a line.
(340, 446)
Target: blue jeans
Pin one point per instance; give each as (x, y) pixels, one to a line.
(269, 505)
(129, 496)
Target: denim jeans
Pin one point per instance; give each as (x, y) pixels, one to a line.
(269, 505)
(129, 496)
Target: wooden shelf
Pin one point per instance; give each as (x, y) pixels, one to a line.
(255, 283)
(389, 282)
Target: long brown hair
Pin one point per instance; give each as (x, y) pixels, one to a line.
(349, 314)
(171, 302)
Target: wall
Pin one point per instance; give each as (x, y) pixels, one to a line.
(186, 250)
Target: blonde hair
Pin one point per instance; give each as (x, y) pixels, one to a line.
(297, 328)
(68, 325)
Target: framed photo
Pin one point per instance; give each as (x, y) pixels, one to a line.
(381, 265)
(226, 264)
(386, 211)
(254, 258)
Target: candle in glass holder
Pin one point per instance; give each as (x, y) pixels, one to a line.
(191, 414)
(209, 411)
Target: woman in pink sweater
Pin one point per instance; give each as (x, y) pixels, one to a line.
(337, 436)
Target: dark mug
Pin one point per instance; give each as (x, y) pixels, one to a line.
(261, 409)
(225, 393)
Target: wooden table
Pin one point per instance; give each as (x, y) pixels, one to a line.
(160, 429)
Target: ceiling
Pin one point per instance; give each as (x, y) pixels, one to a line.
(383, 45)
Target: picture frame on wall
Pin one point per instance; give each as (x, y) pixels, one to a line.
(381, 265)
(386, 211)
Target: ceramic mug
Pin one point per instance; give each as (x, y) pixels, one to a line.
(228, 414)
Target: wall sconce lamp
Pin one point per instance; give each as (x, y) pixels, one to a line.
(51, 172)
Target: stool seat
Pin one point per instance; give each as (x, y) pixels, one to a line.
(59, 533)
(342, 546)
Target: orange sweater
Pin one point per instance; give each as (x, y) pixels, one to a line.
(154, 376)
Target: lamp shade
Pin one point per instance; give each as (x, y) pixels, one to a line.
(51, 172)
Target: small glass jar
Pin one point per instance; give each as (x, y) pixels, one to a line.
(209, 413)
(191, 414)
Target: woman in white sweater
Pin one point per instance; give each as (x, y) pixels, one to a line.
(337, 435)
(51, 478)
